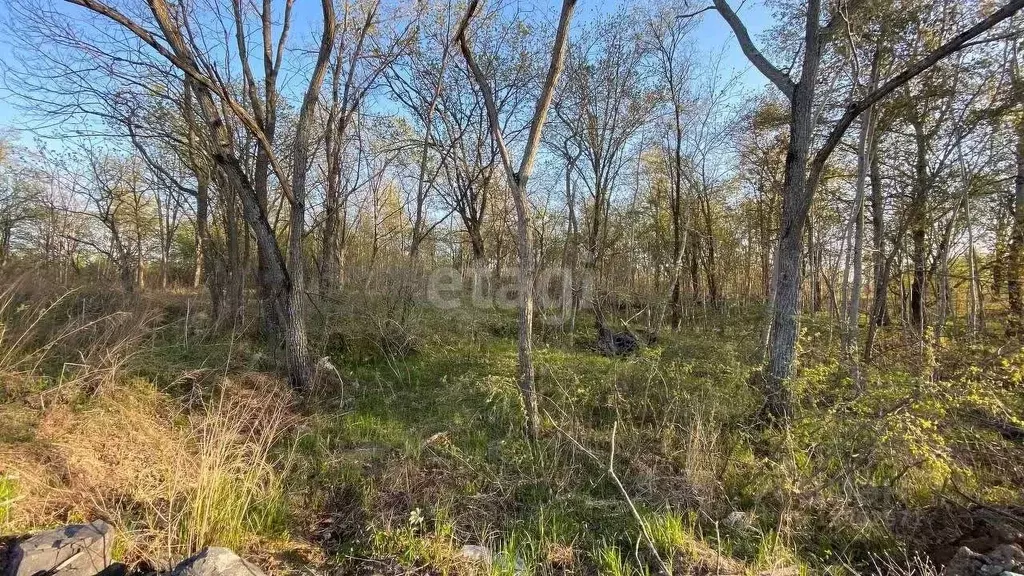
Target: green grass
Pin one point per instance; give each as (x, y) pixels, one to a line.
(452, 407)
(422, 450)
(685, 442)
(8, 497)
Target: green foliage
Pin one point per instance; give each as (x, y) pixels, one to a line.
(8, 496)
(421, 450)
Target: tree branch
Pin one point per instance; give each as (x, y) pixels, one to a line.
(856, 108)
(694, 13)
(777, 77)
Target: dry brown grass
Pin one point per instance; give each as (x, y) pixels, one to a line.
(80, 438)
(233, 485)
(67, 338)
(172, 480)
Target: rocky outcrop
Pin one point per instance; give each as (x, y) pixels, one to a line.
(216, 561)
(74, 550)
(84, 550)
(1005, 560)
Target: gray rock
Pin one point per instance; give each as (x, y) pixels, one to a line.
(475, 553)
(1004, 560)
(216, 561)
(1007, 557)
(74, 550)
(737, 520)
(966, 562)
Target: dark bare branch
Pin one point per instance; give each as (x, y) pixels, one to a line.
(776, 76)
(856, 108)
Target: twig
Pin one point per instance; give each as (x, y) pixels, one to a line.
(622, 490)
(188, 311)
(984, 506)
(633, 508)
(695, 13)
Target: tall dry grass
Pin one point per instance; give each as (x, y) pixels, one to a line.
(233, 486)
(57, 337)
(83, 437)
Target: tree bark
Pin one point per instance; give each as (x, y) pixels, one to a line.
(918, 231)
(879, 314)
(517, 181)
(852, 336)
(796, 203)
(1015, 247)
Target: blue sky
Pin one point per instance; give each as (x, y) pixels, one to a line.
(712, 35)
(8, 115)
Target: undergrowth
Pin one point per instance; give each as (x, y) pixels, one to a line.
(143, 413)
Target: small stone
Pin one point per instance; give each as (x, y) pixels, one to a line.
(475, 553)
(737, 520)
(966, 562)
(74, 550)
(216, 561)
(1007, 557)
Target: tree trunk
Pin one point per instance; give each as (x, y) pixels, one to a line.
(205, 264)
(678, 221)
(573, 282)
(880, 314)
(332, 248)
(525, 348)
(1015, 258)
(865, 157)
(710, 275)
(918, 232)
(202, 231)
(518, 180)
(234, 271)
(5, 242)
(292, 297)
(811, 265)
(269, 323)
(999, 254)
(797, 193)
(975, 306)
(852, 335)
(693, 249)
(942, 261)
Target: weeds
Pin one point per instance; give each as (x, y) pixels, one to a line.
(233, 487)
(90, 440)
(8, 496)
(109, 414)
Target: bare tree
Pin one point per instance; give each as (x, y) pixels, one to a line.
(517, 182)
(803, 172)
(282, 278)
(362, 54)
(607, 99)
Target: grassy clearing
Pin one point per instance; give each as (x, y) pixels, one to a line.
(187, 443)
